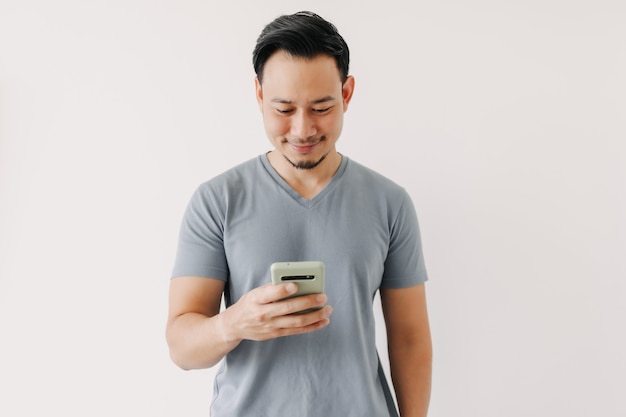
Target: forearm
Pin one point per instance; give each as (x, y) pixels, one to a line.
(197, 341)
(411, 373)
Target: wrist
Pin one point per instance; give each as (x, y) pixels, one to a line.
(226, 330)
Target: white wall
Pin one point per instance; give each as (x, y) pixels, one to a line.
(504, 120)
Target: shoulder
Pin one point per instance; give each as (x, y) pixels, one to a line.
(245, 171)
(368, 187)
(227, 186)
(359, 174)
(232, 181)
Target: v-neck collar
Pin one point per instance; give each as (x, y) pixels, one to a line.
(305, 202)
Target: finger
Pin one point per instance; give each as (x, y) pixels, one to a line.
(304, 323)
(294, 324)
(307, 329)
(300, 303)
(270, 293)
(302, 320)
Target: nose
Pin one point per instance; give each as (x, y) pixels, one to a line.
(302, 125)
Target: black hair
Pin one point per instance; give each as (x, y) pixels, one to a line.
(305, 35)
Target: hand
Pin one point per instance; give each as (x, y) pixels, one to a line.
(258, 315)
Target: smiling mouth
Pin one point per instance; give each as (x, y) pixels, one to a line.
(305, 147)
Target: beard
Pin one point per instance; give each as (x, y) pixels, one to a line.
(305, 165)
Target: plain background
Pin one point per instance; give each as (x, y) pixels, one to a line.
(505, 121)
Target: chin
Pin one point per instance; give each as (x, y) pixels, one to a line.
(305, 164)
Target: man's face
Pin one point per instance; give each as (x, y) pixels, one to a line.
(303, 101)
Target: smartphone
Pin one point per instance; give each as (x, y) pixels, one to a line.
(308, 275)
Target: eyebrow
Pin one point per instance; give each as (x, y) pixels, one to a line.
(316, 101)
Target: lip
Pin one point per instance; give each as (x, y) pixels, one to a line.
(303, 149)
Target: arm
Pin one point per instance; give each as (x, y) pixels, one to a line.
(410, 347)
(199, 336)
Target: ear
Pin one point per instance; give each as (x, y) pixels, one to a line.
(346, 91)
(259, 93)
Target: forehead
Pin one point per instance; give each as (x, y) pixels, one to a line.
(289, 77)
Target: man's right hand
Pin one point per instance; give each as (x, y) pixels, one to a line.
(199, 335)
(259, 315)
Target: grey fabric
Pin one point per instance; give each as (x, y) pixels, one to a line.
(365, 230)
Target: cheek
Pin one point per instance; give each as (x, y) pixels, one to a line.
(332, 124)
(275, 125)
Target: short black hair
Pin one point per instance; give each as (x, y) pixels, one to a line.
(305, 35)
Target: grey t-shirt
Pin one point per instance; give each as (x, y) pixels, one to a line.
(361, 225)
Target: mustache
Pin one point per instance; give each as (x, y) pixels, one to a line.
(305, 142)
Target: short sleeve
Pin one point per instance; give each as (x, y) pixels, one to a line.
(404, 265)
(200, 249)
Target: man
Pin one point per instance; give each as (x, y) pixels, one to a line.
(302, 201)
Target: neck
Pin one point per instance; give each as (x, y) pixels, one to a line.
(306, 182)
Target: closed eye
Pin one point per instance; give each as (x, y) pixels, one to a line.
(322, 111)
